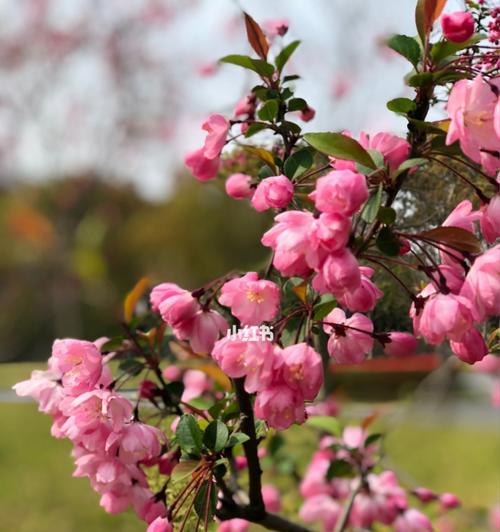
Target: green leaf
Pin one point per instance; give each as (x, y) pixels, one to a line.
(443, 49)
(401, 105)
(323, 309)
(377, 156)
(297, 104)
(293, 77)
(184, 469)
(341, 147)
(269, 110)
(283, 57)
(131, 366)
(426, 126)
(237, 438)
(189, 434)
(406, 46)
(339, 468)
(292, 127)
(387, 242)
(257, 65)
(112, 344)
(386, 215)
(370, 210)
(372, 438)
(216, 436)
(424, 79)
(410, 163)
(325, 423)
(255, 128)
(205, 501)
(298, 163)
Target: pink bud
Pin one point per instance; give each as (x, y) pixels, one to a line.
(457, 26)
(471, 347)
(402, 344)
(273, 192)
(449, 501)
(424, 494)
(160, 524)
(412, 521)
(146, 388)
(307, 114)
(271, 498)
(238, 186)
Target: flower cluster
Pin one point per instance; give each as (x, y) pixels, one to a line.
(110, 446)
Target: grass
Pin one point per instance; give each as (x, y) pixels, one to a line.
(38, 494)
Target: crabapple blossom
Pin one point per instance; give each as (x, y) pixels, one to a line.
(302, 369)
(365, 296)
(160, 524)
(394, 149)
(234, 525)
(350, 338)
(321, 508)
(273, 192)
(490, 219)
(251, 300)
(401, 344)
(307, 114)
(471, 348)
(280, 406)
(339, 273)
(412, 521)
(272, 499)
(457, 26)
(449, 500)
(238, 186)
(202, 168)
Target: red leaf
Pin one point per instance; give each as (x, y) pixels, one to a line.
(426, 14)
(454, 237)
(256, 37)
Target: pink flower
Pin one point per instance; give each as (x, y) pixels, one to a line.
(205, 329)
(273, 192)
(471, 107)
(471, 348)
(348, 346)
(307, 114)
(195, 384)
(314, 481)
(495, 518)
(424, 494)
(327, 407)
(489, 364)
(339, 273)
(175, 304)
(245, 106)
(365, 296)
(160, 524)
(137, 442)
(443, 316)
(255, 360)
(402, 344)
(44, 389)
(234, 525)
(462, 216)
(201, 167)
(276, 27)
(238, 186)
(80, 363)
(490, 219)
(482, 284)
(321, 508)
(340, 192)
(290, 239)
(271, 498)
(449, 501)
(303, 369)
(457, 26)
(394, 149)
(412, 521)
(329, 233)
(251, 300)
(279, 406)
(217, 128)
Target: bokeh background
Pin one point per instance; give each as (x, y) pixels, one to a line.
(99, 101)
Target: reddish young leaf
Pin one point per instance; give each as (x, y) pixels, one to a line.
(454, 237)
(426, 13)
(256, 37)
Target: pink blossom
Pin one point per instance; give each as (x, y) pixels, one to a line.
(175, 304)
(217, 128)
(462, 216)
(443, 316)
(195, 384)
(44, 389)
(271, 496)
(495, 518)
(160, 524)
(314, 481)
(412, 521)
(321, 508)
(280, 406)
(204, 329)
(471, 106)
(402, 344)
(234, 525)
(307, 114)
(201, 167)
(303, 369)
(273, 192)
(457, 26)
(289, 238)
(251, 300)
(327, 407)
(449, 501)
(348, 346)
(137, 442)
(490, 219)
(329, 233)
(471, 348)
(424, 494)
(339, 273)
(340, 192)
(245, 106)
(80, 363)
(489, 364)
(365, 297)
(172, 373)
(238, 186)
(482, 284)
(394, 149)
(276, 27)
